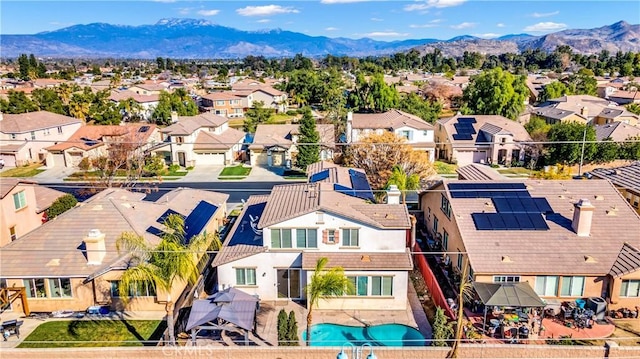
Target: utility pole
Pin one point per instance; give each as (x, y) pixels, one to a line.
(584, 138)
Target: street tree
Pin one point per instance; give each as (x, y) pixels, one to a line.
(308, 147)
(256, 115)
(495, 92)
(567, 142)
(377, 154)
(324, 284)
(165, 266)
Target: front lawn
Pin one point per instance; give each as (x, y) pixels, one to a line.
(235, 171)
(95, 333)
(24, 171)
(444, 168)
(519, 171)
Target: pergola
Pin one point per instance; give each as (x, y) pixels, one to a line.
(507, 295)
(230, 309)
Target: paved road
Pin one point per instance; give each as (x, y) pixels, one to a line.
(237, 190)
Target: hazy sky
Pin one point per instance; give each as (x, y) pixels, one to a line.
(381, 20)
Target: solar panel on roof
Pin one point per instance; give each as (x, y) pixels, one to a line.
(525, 222)
(481, 221)
(538, 221)
(344, 190)
(143, 129)
(166, 214)
(155, 231)
(466, 120)
(319, 176)
(360, 185)
(197, 220)
(459, 137)
(543, 205)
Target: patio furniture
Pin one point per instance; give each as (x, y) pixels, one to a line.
(494, 323)
(11, 327)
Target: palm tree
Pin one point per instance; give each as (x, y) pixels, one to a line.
(175, 258)
(465, 293)
(324, 284)
(404, 181)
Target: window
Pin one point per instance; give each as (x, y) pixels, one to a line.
(281, 238)
(12, 233)
(425, 133)
(33, 135)
(630, 288)
(220, 102)
(506, 278)
(330, 236)
(60, 130)
(35, 288)
(360, 286)
(350, 237)
(547, 285)
(60, 288)
(445, 206)
(19, 200)
(47, 132)
(13, 136)
(245, 276)
(307, 238)
(407, 134)
(140, 289)
(445, 240)
(459, 259)
(572, 286)
(382, 285)
(435, 224)
(179, 139)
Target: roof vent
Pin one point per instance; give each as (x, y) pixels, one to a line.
(94, 233)
(365, 258)
(590, 259)
(599, 197)
(506, 259)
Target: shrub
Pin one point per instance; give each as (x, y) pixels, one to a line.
(292, 330)
(85, 164)
(174, 168)
(291, 112)
(282, 328)
(442, 331)
(61, 205)
(154, 165)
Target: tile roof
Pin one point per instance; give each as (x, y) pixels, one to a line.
(221, 95)
(624, 176)
(55, 248)
(618, 131)
(558, 249)
(359, 260)
(8, 183)
(186, 125)
(479, 172)
(628, 261)
(596, 106)
(492, 124)
(92, 136)
(32, 121)
(281, 135)
(224, 141)
(393, 119)
(45, 196)
(293, 200)
(335, 173)
(125, 95)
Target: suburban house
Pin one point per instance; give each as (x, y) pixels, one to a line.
(275, 145)
(72, 263)
(489, 139)
(25, 136)
(93, 141)
(148, 89)
(23, 204)
(145, 103)
(223, 103)
(626, 179)
(567, 239)
(616, 131)
(204, 139)
(272, 249)
(254, 90)
(418, 133)
(622, 97)
(584, 109)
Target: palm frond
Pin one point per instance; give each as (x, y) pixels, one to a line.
(142, 273)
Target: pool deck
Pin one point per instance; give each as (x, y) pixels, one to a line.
(266, 333)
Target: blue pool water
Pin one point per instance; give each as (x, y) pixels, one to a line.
(388, 335)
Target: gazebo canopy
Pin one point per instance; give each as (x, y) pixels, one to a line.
(230, 305)
(508, 294)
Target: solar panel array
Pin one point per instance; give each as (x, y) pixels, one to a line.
(360, 184)
(516, 209)
(319, 176)
(464, 128)
(344, 190)
(88, 141)
(198, 219)
(143, 129)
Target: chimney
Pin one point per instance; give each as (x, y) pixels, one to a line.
(174, 117)
(582, 216)
(393, 195)
(349, 126)
(94, 247)
(584, 111)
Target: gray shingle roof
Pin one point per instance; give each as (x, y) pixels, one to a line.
(628, 261)
(618, 131)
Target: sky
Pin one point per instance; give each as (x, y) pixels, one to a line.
(380, 20)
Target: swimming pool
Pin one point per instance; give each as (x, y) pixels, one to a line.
(388, 335)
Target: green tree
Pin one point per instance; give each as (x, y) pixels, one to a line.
(179, 102)
(23, 66)
(415, 105)
(465, 294)
(292, 330)
(161, 64)
(553, 90)
(495, 92)
(384, 96)
(17, 102)
(404, 181)
(308, 147)
(173, 260)
(633, 108)
(61, 205)
(582, 83)
(324, 284)
(442, 330)
(606, 151)
(630, 149)
(536, 125)
(566, 143)
(47, 99)
(282, 328)
(256, 115)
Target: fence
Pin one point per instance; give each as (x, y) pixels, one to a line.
(431, 282)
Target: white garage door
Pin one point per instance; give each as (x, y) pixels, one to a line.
(464, 157)
(58, 160)
(210, 158)
(9, 159)
(480, 157)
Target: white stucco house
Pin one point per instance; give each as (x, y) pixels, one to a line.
(418, 132)
(202, 139)
(272, 249)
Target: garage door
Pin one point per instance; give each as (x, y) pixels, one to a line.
(58, 160)
(258, 158)
(9, 160)
(464, 157)
(480, 157)
(210, 158)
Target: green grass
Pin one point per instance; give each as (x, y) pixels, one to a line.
(520, 171)
(235, 171)
(24, 171)
(444, 168)
(95, 333)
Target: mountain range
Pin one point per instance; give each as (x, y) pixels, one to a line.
(192, 38)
